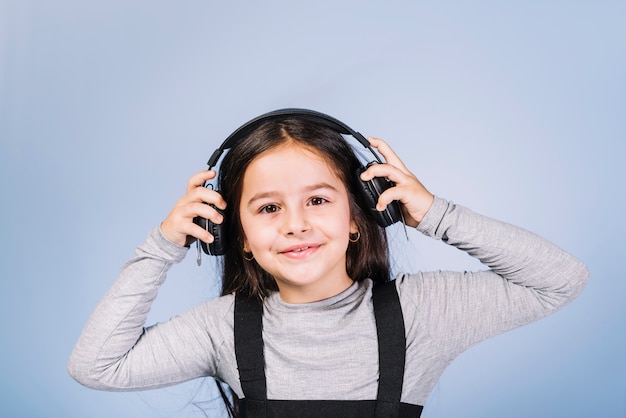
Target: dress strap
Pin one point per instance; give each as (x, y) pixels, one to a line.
(248, 329)
(391, 348)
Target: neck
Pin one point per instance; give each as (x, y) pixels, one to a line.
(310, 294)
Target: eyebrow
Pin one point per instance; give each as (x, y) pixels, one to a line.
(308, 189)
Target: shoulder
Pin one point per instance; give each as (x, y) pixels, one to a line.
(217, 313)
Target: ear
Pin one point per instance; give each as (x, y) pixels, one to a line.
(354, 228)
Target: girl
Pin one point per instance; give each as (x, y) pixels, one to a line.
(309, 323)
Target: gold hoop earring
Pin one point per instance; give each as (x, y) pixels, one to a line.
(248, 258)
(355, 237)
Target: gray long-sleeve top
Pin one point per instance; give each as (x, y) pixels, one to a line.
(328, 349)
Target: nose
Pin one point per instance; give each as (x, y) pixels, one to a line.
(295, 221)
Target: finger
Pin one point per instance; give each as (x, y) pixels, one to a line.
(389, 154)
(194, 231)
(388, 196)
(415, 200)
(394, 194)
(205, 211)
(201, 234)
(205, 195)
(199, 179)
(386, 170)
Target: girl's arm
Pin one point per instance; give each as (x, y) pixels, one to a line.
(116, 351)
(528, 277)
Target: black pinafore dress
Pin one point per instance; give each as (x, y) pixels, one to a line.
(391, 357)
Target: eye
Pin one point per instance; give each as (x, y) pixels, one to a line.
(317, 201)
(269, 209)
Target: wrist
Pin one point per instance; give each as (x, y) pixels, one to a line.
(175, 239)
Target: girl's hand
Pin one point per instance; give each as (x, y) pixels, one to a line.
(179, 227)
(414, 198)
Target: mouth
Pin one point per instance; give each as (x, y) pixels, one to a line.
(299, 251)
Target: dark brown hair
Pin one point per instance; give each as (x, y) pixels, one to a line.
(368, 257)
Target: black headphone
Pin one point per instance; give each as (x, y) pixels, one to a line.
(371, 189)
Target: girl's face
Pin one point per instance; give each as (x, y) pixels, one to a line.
(296, 220)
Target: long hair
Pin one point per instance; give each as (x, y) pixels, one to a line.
(366, 258)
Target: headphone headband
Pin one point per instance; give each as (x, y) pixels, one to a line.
(282, 114)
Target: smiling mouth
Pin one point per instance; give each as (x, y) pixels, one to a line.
(300, 250)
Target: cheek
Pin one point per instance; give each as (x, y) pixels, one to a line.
(245, 227)
(338, 226)
(255, 236)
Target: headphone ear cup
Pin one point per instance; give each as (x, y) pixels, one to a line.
(371, 191)
(218, 246)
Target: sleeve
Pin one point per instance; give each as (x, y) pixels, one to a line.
(117, 352)
(527, 278)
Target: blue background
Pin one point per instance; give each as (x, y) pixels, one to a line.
(515, 109)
